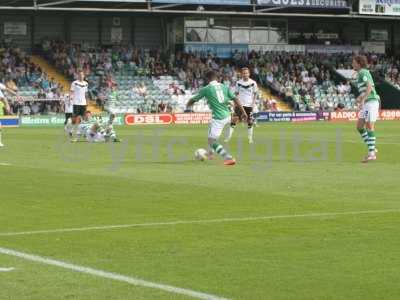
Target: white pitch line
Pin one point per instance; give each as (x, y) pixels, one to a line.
(4, 164)
(108, 275)
(223, 220)
(6, 269)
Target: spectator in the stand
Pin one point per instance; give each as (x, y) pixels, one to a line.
(35, 108)
(274, 105)
(153, 107)
(101, 97)
(169, 108)
(50, 95)
(26, 109)
(141, 90)
(339, 107)
(161, 107)
(341, 88)
(109, 82)
(182, 75)
(41, 94)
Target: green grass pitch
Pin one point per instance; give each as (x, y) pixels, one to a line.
(293, 172)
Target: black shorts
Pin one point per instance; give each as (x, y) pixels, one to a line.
(249, 112)
(79, 110)
(68, 116)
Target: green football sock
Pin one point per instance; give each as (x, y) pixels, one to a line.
(364, 135)
(371, 142)
(220, 150)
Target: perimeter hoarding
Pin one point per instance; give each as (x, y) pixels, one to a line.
(338, 4)
(57, 120)
(219, 50)
(211, 2)
(380, 7)
(384, 115)
(10, 121)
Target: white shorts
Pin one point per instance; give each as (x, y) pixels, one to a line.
(216, 127)
(95, 137)
(370, 111)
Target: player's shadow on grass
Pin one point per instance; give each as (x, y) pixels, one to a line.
(168, 162)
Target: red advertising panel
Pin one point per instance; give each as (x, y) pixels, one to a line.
(384, 115)
(144, 119)
(389, 114)
(344, 116)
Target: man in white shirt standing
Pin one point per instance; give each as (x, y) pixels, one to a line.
(79, 89)
(68, 110)
(246, 90)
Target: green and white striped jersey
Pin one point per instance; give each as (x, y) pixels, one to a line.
(365, 77)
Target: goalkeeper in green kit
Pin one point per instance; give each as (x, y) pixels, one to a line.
(219, 98)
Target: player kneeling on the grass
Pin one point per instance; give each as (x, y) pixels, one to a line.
(219, 98)
(84, 126)
(108, 130)
(368, 102)
(246, 90)
(95, 135)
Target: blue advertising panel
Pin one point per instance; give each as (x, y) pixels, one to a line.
(219, 50)
(9, 121)
(277, 116)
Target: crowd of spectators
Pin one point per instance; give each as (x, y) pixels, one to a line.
(102, 64)
(389, 68)
(20, 74)
(292, 76)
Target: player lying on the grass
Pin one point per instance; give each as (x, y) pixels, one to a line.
(107, 129)
(94, 130)
(4, 106)
(219, 99)
(368, 102)
(246, 91)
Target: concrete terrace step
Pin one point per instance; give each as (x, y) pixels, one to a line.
(52, 72)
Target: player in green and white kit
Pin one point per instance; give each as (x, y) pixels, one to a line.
(85, 126)
(368, 102)
(107, 129)
(219, 99)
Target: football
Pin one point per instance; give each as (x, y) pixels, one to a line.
(201, 154)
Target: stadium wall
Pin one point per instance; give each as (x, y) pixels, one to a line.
(21, 39)
(150, 30)
(50, 26)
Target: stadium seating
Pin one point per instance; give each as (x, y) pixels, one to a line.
(125, 99)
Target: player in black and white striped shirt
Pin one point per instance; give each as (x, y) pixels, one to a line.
(246, 90)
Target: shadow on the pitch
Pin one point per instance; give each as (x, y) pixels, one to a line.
(171, 162)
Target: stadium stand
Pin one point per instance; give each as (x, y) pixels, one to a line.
(304, 81)
(40, 91)
(117, 74)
